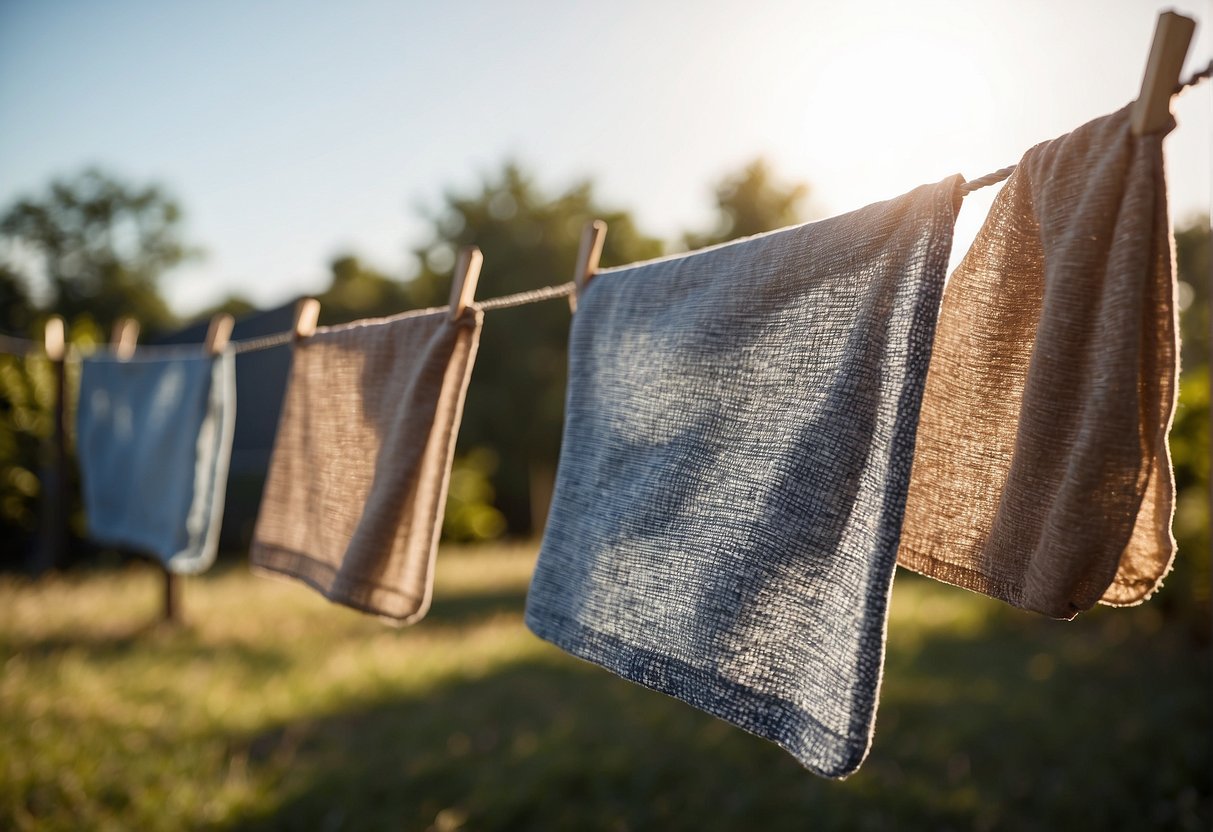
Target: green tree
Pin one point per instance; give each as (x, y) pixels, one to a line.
(27, 395)
(358, 291)
(17, 311)
(235, 305)
(516, 402)
(1188, 588)
(1194, 271)
(100, 245)
(752, 201)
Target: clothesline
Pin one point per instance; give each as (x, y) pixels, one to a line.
(1004, 173)
(12, 345)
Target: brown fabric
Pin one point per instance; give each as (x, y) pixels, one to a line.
(357, 485)
(1041, 472)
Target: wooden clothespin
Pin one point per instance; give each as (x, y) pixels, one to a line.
(1172, 35)
(219, 333)
(307, 313)
(463, 282)
(123, 338)
(593, 236)
(53, 339)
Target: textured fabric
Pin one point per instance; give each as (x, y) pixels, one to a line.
(357, 486)
(738, 438)
(1042, 475)
(154, 438)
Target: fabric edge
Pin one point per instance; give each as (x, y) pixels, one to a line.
(275, 561)
(222, 396)
(601, 650)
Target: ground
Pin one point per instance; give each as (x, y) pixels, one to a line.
(273, 709)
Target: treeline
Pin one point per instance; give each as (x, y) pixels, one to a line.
(93, 248)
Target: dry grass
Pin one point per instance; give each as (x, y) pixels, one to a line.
(274, 709)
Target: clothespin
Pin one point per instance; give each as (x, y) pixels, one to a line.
(218, 333)
(593, 235)
(123, 338)
(307, 313)
(463, 282)
(1172, 35)
(53, 339)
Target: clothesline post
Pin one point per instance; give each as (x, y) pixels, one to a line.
(49, 554)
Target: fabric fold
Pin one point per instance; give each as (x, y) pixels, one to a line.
(738, 437)
(1042, 475)
(154, 439)
(356, 491)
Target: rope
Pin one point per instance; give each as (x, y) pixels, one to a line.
(1195, 78)
(532, 296)
(10, 345)
(989, 179)
(263, 342)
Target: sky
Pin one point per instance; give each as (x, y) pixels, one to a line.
(294, 132)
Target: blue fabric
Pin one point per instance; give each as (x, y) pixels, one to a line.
(154, 441)
(739, 431)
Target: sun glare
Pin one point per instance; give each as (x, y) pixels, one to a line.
(889, 109)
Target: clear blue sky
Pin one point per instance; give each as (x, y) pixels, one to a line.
(294, 131)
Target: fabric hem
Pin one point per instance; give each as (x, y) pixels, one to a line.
(358, 594)
(802, 735)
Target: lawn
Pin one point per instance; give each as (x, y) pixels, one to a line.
(273, 709)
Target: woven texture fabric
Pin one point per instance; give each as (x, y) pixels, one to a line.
(357, 484)
(1042, 475)
(738, 438)
(154, 438)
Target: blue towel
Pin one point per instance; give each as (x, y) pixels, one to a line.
(738, 436)
(154, 439)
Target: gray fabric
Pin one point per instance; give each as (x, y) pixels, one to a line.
(738, 439)
(154, 439)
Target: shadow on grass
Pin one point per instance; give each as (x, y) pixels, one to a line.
(146, 642)
(472, 608)
(1028, 724)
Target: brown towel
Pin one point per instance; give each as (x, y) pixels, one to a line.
(1041, 472)
(357, 485)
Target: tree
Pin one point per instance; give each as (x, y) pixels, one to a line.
(358, 291)
(1189, 584)
(101, 246)
(1194, 271)
(17, 311)
(236, 305)
(516, 402)
(752, 201)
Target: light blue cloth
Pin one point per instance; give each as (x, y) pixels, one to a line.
(154, 438)
(738, 436)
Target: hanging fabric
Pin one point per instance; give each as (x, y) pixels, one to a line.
(154, 439)
(357, 485)
(738, 439)
(1042, 475)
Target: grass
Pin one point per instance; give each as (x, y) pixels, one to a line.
(273, 709)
